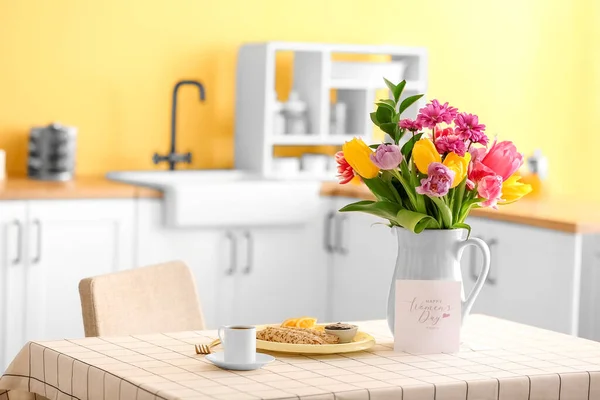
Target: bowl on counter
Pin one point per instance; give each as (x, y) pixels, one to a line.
(346, 332)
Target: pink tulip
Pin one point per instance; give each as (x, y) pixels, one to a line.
(387, 156)
(345, 171)
(476, 169)
(438, 182)
(490, 189)
(503, 158)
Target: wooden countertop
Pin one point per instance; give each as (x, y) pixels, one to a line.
(561, 214)
(549, 213)
(80, 188)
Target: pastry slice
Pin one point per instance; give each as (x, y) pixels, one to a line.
(328, 338)
(288, 335)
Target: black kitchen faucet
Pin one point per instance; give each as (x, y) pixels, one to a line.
(173, 158)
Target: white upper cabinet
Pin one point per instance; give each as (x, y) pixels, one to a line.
(317, 74)
(13, 216)
(67, 241)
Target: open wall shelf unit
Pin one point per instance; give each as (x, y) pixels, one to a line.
(318, 77)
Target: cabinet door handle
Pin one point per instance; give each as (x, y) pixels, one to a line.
(341, 249)
(37, 223)
(249, 252)
(328, 230)
(17, 259)
(232, 253)
(491, 244)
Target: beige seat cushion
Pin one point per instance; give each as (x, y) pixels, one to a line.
(159, 298)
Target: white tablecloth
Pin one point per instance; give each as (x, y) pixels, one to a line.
(498, 360)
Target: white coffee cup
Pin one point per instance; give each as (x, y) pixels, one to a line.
(239, 343)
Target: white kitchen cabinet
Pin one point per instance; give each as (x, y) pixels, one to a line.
(488, 302)
(364, 256)
(279, 275)
(589, 315)
(69, 240)
(244, 275)
(13, 216)
(534, 276)
(204, 251)
(46, 248)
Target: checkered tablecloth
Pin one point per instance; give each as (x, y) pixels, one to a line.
(498, 360)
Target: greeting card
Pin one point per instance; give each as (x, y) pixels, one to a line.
(428, 316)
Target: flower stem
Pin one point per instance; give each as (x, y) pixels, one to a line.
(458, 200)
(407, 187)
(451, 195)
(395, 192)
(420, 201)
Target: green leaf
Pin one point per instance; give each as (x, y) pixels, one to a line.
(390, 85)
(388, 103)
(408, 187)
(374, 146)
(416, 222)
(373, 116)
(383, 115)
(398, 91)
(381, 189)
(462, 225)
(388, 178)
(382, 209)
(408, 146)
(396, 118)
(389, 128)
(466, 208)
(407, 102)
(444, 210)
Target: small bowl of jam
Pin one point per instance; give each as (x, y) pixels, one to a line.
(345, 332)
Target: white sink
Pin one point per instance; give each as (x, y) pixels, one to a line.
(227, 198)
(161, 179)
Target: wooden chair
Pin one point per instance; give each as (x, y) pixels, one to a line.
(158, 298)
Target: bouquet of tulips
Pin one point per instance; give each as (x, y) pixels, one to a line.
(438, 175)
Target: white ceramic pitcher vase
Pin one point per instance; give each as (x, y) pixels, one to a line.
(435, 255)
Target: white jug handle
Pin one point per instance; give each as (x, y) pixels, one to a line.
(485, 270)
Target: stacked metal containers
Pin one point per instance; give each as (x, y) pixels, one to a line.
(52, 152)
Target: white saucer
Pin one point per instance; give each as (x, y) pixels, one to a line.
(218, 359)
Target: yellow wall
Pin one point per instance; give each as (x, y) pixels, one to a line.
(108, 67)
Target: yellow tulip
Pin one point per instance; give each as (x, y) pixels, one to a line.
(424, 153)
(358, 155)
(459, 165)
(513, 190)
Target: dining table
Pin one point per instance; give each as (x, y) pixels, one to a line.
(498, 359)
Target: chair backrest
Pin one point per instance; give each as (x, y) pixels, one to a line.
(158, 298)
